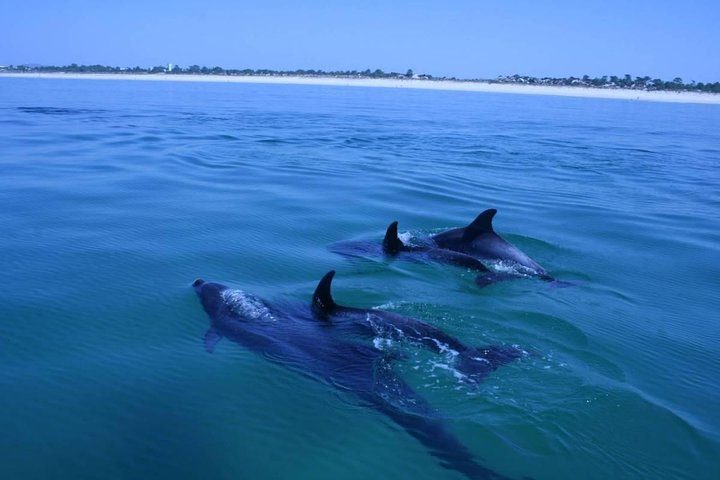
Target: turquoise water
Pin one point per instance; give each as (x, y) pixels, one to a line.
(114, 196)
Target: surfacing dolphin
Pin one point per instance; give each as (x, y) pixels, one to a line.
(473, 363)
(480, 241)
(310, 339)
(393, 247)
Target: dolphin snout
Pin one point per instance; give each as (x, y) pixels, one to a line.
(198, 282)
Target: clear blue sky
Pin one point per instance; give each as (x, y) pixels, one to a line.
(461, 38)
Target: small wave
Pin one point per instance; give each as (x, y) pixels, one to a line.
(389, 306)
(59, 111)
(272, 141)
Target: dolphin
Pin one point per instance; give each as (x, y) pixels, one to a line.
(393, 247)
(480, 241)
(313, 340)
(473, 363)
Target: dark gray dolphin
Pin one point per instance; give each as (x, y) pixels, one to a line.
(474, 363)
(480, 241)
(393, 247)
(312, 339)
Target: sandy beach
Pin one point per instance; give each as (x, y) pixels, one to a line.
(619, 94)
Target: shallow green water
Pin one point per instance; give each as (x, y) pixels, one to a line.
(114, 196)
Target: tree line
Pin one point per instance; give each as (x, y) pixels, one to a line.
(198, 70)
(626, 81)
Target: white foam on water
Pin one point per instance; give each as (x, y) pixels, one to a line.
(382, 343)
(406, 237)
(508, 266)
(388, 331)
(481, 359)
(444, 366)
(388, 306)
(444, 348)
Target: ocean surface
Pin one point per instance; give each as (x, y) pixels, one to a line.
(116, 195)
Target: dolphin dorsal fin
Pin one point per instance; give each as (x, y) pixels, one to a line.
(322, 301)
(392, 244)
(481, 224)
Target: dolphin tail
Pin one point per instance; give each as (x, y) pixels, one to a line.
(392, 243)
(406, 408)
(476, 363)
(442, 444)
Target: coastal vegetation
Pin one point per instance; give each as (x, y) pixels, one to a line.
(626, 81)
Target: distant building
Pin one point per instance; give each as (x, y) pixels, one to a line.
(169, 67)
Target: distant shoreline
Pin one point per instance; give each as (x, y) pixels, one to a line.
(449, 85)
